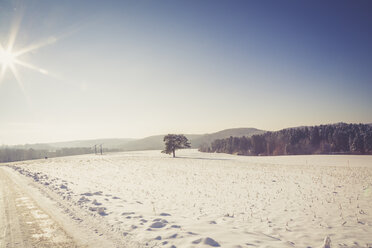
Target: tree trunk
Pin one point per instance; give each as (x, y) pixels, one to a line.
(174, 153)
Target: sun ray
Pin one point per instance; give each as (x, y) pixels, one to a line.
(3, 66)
(47, 42)
(30, 66)
(10, 59)
(36, 46)
(38, 69)
(14, 31)
(15, 73)
(19, 81)
(2, 73)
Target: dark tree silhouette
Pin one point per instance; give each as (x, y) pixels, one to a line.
(15, 154)
(174, 142)
(340, 138)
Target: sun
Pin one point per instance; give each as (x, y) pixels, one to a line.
(11, 59)
(7, 58)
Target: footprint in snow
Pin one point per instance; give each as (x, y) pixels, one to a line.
(100, 210)
(211, 242)
(173, 236)
(95, 202)
(159, 223)
(127, 213)
(83, 199)
(197, 241)
(207, 241)
(63, 186)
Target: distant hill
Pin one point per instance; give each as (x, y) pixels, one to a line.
(148, 143)
(152, 143)
(107, 143)
(207, 139)
(39, 146)
(196, 140)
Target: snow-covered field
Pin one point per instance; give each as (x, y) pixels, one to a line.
(211, 200)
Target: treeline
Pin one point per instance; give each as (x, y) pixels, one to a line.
(11, 154)
(338, 138)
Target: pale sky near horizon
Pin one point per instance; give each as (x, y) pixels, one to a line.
(130, 69)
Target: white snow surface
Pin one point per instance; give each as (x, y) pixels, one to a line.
(217, 200)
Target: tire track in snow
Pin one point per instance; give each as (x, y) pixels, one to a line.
(23, 223)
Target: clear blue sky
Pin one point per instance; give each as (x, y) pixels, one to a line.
(138, 68)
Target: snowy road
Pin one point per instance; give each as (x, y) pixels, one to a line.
(31, 215)
(23, 223)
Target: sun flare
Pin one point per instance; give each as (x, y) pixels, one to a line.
(10, 59)
(7, 58)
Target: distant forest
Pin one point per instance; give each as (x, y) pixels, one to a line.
(12, 154)
(338, 138)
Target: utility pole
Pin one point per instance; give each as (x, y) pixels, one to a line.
(101, 148)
